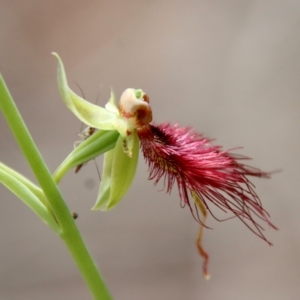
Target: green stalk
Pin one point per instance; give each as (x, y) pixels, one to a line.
(69, 231)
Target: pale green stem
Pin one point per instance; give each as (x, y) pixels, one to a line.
(69, 232)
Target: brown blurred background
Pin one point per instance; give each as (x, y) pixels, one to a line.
(229, 68)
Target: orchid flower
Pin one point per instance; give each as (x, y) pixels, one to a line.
(120, 162)
(205, 174)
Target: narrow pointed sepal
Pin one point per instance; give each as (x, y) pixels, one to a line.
(90, 114)
(118, 173)
(97, 144)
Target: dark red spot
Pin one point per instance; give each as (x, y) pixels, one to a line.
(146, 98)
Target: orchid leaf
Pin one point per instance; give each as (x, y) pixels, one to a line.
(31, 186)
(29, 193)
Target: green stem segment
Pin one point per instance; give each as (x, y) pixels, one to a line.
(69, 231)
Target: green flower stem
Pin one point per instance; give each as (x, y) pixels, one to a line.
(69, 232)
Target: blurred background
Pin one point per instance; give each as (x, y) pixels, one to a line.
(228, 68)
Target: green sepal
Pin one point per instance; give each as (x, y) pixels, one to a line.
(118, 174)
(29, 193)
(98, 143)
(90, 114)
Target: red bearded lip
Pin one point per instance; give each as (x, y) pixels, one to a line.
(179, 155)
(204, 173)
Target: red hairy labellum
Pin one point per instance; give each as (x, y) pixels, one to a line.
(179, 155)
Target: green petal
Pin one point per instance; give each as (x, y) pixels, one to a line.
(110, 105)
(29, 193)
(97, 144)
(118, 173)
(88, 113)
